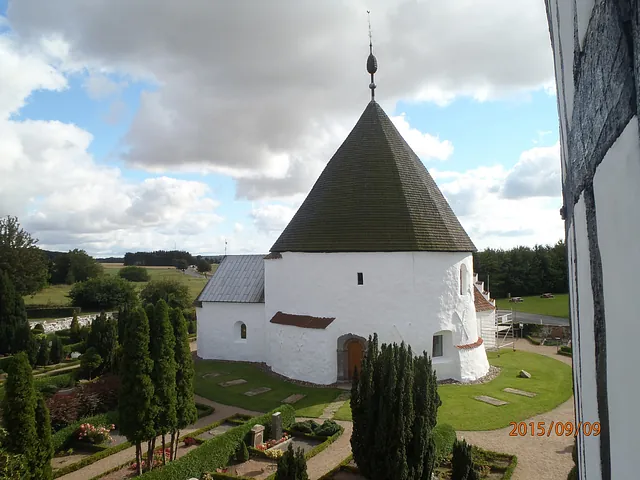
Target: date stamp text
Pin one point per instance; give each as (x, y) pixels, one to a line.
(542, 429)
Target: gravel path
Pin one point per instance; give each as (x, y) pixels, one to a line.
(331, 456)
(539, 458)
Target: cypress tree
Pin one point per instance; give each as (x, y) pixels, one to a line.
(74, 328)
(13, 314)
(19, 410)
(292, 465)
(103, 336)
(57, 350)
(462, 466)
(136, 391)
(44, 448)
(162, 350)
(394, 408)
(43, 352)
(26, 341)
(186, 412)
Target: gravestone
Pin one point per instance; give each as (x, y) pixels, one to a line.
(490, 400)
(257, 391)
(524, 374)
(230, 383)
(519, 392)
(276, 425)
(212, 374)
(257, 435)
(293, 398)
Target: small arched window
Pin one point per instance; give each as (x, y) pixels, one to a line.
(243, 331)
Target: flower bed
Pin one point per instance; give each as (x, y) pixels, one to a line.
(96, 435)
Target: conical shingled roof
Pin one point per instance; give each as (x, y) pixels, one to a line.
(374, 195)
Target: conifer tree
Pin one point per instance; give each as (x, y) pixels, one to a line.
(74, 328)
(136, 391)
(186, 412)
(292, 465)
(44, 448)
(162, 350)
(19, 410)
(56, 355)
(13, 315)
(43, 352)
(462, 466)
(103, 336)
(394, 408)
(26, 341)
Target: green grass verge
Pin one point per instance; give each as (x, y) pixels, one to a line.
(55, 295)
(316, 399)
(550, 379)
(554, 307)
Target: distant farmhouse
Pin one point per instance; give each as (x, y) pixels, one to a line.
(375, 247)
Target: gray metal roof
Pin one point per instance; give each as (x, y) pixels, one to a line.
(238, 279)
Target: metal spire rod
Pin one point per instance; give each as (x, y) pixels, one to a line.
(372, 63)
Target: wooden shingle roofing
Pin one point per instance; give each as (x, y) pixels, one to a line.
(374, 195)
(238, 279)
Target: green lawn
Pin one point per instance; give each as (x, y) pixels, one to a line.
(550, 379)
(311, 406)
(554, 307)
(57, 294)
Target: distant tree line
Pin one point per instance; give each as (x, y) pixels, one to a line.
(523, 271)
(159, 258)
(110, 260)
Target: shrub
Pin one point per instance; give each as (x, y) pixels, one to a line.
(328, 428)
(63, 438)
(64, 409)
(90, 361)
(103, 293)
(172, 291)
(444, 437)
(51, 312)
(308, 427)
(39, 328)
(134, 273)
(292, 465)
(43, 352)
(93, 434)
(242, 453)
(56, 354)
(79, 347)
(462, 466)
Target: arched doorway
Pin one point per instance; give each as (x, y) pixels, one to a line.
(355, 352)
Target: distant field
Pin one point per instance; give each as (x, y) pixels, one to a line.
(57, 294)
(554, 307)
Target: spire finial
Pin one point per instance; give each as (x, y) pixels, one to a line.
(372, 62)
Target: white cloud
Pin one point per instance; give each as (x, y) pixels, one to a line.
(246, 92)
(272, 218)
(100, 86)
(537, 174)
(425, 145)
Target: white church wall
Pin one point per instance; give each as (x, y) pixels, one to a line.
(617, 197)
(219, 331)
(405, 296)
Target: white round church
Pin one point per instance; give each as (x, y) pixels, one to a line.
(375, 247)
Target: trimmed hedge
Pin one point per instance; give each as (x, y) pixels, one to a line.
(342, 466)
(74, 347)
(444, 435)
(91, 459)
(532, 340)
(59, 380)
(204, 410)
(216, 452)
(51, 312)
(64, 437)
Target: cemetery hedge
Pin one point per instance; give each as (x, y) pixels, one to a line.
(215, 453)
(444, 435)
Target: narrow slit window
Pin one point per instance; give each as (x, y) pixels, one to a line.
(243, 331)
(360, 278)
(437, 346)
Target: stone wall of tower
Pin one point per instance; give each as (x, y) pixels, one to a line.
(596, 48)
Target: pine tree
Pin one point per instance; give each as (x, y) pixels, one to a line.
(162, 350)
(44, 448)
(43, 352)
(186, 412)
(13, 315)
(292, 465)
(57, 350)
(136, 391)
(19, 410)
(74, 328)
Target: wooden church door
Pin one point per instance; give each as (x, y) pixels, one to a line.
(355, 351)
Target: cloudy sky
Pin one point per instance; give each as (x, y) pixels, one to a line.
(152, 124)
